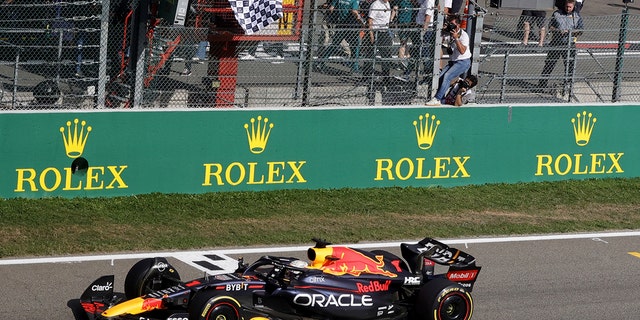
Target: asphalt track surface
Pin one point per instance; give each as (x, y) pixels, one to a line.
(571, 276)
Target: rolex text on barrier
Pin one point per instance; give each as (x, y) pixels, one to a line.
(97, 154)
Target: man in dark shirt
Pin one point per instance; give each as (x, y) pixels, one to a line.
(564, 27)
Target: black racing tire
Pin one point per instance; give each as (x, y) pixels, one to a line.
(441, 299)
(207, 305)
(150, 274)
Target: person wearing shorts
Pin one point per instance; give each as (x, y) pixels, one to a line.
(405, 12)
(529, 18)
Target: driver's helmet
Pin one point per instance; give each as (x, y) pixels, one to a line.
(299, 264)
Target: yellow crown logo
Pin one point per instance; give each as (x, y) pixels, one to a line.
(258, 135)
(74, 141)
(582, 127)
(426, 128)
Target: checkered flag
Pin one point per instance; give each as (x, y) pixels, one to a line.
(253, 15)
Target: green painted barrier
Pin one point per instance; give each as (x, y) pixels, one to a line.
(124, 153)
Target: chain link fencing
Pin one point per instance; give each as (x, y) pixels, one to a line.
(49, 50)
(82, 55)
(594, 69)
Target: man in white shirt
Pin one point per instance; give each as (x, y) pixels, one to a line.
(459, 60)
(379, 39)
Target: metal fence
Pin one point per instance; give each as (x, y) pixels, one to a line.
(49, 54)
(606, 60)
(78, 55)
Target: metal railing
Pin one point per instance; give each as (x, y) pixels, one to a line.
(76, 55)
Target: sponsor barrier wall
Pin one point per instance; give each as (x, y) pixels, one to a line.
(113, 153)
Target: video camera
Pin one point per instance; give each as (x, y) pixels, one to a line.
(448, 27)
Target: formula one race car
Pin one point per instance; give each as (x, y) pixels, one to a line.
(338, 283)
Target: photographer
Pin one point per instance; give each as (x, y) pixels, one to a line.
(461, 91)
(459, 59)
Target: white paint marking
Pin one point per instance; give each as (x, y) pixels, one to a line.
(266, 250)
(599, 240)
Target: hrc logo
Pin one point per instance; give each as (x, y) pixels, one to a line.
(426, 128)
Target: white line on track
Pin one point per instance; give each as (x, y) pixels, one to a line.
(71, 259)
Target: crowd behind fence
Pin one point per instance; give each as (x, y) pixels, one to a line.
(77, 55)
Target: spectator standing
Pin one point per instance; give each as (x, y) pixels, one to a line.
(559, 4)
(528, 18)
(328, 22)
(348, 25)
(564, 27)
(579, 4)
(459, 60)
(378, 39)
(423, 26)
(447, 4)
(405, 12)
(461, 91)
(456, 5)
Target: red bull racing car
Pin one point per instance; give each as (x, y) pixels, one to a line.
(337, 282)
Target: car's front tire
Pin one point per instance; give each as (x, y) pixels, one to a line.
(208, 306)
(441, 299)
(150, 274)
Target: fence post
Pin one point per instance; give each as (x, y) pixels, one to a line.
(307, 60)
(138, 86)
(505, 70)
(622, 38)
(102, 67)
(477, 25)
(437, 54)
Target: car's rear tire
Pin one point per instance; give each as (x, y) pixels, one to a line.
(150, 274)
(441, 299)
(207, 305)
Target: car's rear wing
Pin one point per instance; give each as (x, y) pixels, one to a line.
(435, 251)
(422, 257)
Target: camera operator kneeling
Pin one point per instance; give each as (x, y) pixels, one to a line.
(461, 91)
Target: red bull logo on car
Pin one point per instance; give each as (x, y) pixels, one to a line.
(373, 286)
(342, 261)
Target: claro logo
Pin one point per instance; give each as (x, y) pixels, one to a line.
(343, 300)
(101, 288)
